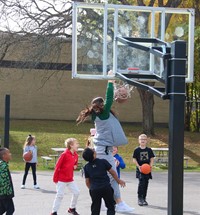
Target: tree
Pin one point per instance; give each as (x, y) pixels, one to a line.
(147, 98)
(43, 23)
(192, 112)
(47, 25)
(41, 27)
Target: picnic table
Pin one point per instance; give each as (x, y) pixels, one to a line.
(161, 156)
(59, 151)
(160, 152)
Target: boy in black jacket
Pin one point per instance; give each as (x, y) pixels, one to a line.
(98, 182)
(6, 186)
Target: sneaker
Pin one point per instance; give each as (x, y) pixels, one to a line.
(73, 211)
(103, 207)
(145, 203)
(23, 186)
(140, 202)
(123, 207)
(54, 213)
(36, 187)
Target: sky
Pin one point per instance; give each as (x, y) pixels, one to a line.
(13, 18)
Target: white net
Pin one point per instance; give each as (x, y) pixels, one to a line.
(122, 91)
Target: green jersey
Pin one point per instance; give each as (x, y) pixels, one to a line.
(108, 103)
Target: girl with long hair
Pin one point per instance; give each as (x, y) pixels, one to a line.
(29, 145)
(109, 133)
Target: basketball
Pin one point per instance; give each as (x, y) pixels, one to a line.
(27, 156)
(121, 94)
(145, 169)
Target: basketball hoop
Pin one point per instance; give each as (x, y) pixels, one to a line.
(122, 91)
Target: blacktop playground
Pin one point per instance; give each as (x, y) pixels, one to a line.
(39, 202)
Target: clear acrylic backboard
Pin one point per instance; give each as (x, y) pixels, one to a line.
(96, 49)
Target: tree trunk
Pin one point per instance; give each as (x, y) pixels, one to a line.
(188, 108)
(147, 100)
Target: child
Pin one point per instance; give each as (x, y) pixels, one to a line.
(30, 146)
(6, 186)
(109, 133)
(98, 182)
(119, 162)
(142, 155)
(63, 176)
(90, 143)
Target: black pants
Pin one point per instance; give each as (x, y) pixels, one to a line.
(6, 206)
(103, 193)
(143, 186)
(27, 167)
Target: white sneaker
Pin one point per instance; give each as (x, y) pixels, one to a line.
(23, 186)
(123, 207)
(103, 206)
(36, 187)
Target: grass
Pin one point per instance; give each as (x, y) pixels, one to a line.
(53, 133)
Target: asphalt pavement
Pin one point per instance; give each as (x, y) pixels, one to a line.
(39, 202)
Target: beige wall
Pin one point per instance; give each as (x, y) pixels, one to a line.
(40, 94)
(61, 97)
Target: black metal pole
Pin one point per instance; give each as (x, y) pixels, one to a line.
(176, 127)
(7, 121)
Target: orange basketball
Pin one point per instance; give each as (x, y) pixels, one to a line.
(121, 94)
(145, 169)
(27, 156)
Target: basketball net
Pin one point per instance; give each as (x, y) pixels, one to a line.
(122, 91)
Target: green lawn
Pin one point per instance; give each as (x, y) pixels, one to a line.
(53, 133)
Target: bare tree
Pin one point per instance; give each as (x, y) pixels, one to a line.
(44, 24)
(39, 30)
(47, 25)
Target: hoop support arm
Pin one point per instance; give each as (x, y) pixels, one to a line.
(142, 86)
(153, 50)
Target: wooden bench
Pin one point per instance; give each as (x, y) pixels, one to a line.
(46, 160)
(186, 159)
(81, 162)
(161, 160)
(55, 157)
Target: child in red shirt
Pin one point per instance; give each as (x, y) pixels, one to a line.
(63, 176)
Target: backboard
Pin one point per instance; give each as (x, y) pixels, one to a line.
(97, 47)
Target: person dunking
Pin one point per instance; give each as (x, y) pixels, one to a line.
(30, 146)
(109, 133)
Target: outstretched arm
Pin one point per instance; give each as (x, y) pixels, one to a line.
(114, 175)
(109, 98)
(109, 95)
(87, 182)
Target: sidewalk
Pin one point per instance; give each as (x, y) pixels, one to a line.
(39, 202)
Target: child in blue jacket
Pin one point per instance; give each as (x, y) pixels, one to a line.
(118, 160)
